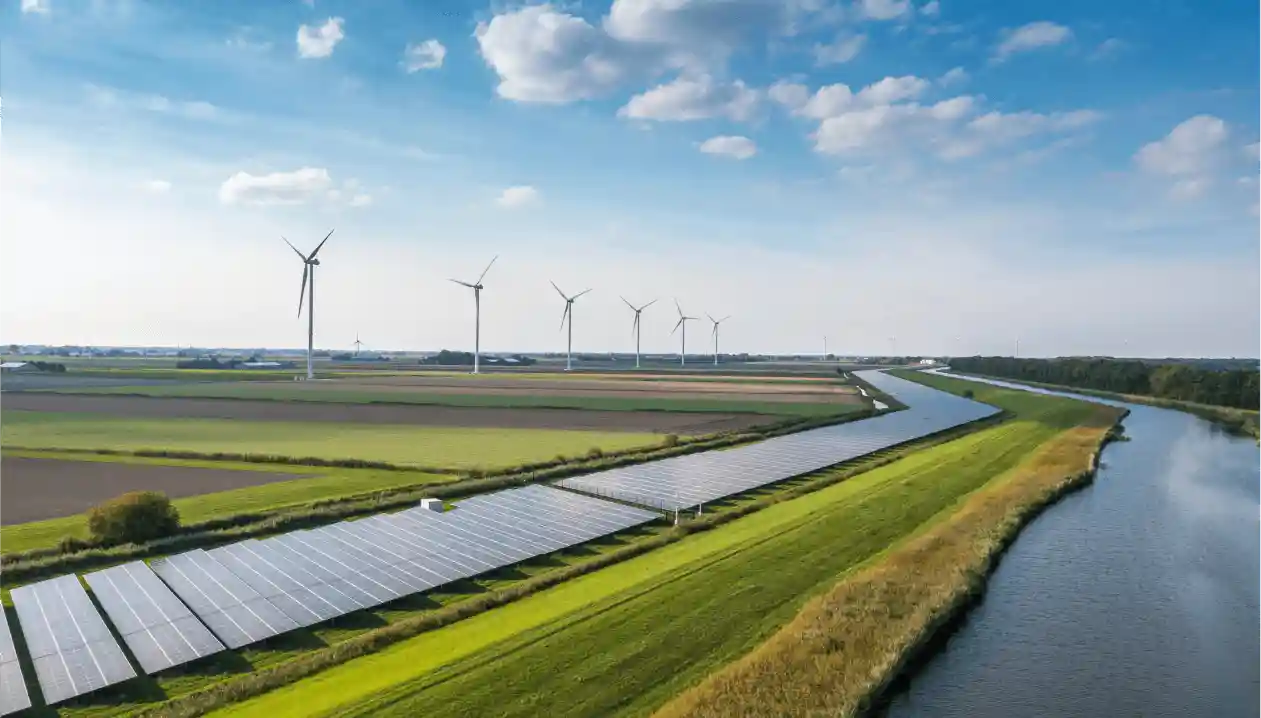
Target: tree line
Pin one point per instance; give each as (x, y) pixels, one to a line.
(1237, 388)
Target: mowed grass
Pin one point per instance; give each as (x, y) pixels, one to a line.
(332, 391)
(321, 483)
(625, 639)
(427, 446)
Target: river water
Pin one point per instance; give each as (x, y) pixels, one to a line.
(1137, 596)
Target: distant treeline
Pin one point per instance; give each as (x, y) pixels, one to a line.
(450, 358)
(1238, 388)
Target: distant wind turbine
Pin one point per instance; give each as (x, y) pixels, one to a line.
(683, 320)
(635, 324)
(716, 322)
(568, 314)
(309, 263)
(477, 314)
(357, 344)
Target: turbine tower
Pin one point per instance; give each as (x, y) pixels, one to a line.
(357, 344)
(309, 263)
(683, 320)
(635, 325)
(716, 322)
(568, 314)
(477, 314)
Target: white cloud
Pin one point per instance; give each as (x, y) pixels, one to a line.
(1108, 48)
(696, 98)
(892, 89)
(427, 55)
(930, 9)
(741, 148)
(1033, 36)
(1253, 151)
(319, 42)
(361, 200)
(697, 31)
(519, 196)
(953, 76)
(114, 99)
(278, 188)
(40, 7)
(839, 52)
(1189, 155)
(157, 186)
(792, 95)
(885, 9)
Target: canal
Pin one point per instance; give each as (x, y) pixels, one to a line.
(1137, 596)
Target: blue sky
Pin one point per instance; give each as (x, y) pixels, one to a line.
(937, 176)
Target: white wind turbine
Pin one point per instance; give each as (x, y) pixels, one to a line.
(568, 314)
(357, 344)
(716, 322)
(635, 324)
(477, 314)
(309, 263)
(683, 320)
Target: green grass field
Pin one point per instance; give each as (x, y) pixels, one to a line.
(322, 483)
(625, 639)
(333, 392)
(422, 446)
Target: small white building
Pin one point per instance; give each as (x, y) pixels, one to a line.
(17, 367)
(432, 505)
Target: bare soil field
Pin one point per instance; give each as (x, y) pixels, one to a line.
(677, 390)
(37, 382)
(37, 489)
(422, 415)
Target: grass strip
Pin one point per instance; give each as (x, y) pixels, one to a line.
(842, 651)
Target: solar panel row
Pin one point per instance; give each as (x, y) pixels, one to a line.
(13, 696)
(159, 629)
(71, 647)
(694, 479)
(255, 589)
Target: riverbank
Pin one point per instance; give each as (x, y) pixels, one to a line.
(847, 646)
(1240, 422)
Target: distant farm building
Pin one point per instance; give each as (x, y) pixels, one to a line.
(17, 367)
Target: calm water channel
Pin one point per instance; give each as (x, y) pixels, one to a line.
(1135, 597)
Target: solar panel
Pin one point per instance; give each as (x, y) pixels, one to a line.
(72, 649)
(684, 481)
(13, 696)
(160, 630)
(301, 595)
(236, 613)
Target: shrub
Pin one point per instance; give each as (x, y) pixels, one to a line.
(595, 452)
(671, 440)
(967, 394)
(134, 517)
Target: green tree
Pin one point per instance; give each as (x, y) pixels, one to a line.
(134, 517)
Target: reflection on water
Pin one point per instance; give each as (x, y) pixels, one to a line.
(1135, 597)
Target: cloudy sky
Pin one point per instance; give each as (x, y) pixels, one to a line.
(919, 176)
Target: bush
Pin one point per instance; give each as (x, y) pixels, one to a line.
(595, 452)
(671, 440)
(967, 394)
(134, 517)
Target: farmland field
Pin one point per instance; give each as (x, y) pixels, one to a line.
(625, 639)
(446, 447)
(137, 407)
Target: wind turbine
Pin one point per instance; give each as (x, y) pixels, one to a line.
(477, 314)
(309, 263)
(568, 314)
(683, 320)
(357, 344)
(716, 322)
(635, 324)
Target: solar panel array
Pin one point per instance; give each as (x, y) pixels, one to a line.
(251, 590)
(158, 628)
(68, 641)
(693, 479)
(13, 695)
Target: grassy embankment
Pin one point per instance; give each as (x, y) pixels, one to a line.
(845, 647)
(444, 447)
(332, 392)
(626, 639)
(1243, 422)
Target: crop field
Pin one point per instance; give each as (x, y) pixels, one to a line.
(136, 407)
(263, 487)
(403, 445)
(625, 639)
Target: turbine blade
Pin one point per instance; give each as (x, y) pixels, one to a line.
(302, 295)
(711, 317)
(563, 316)
(632, 306)
(649, 304)
(579, 294)
(562, 294)
(470, 286)
(676, 306)
(720, 321)
(295, 250)
(676, 326)
(321, 244)
(487, 269)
